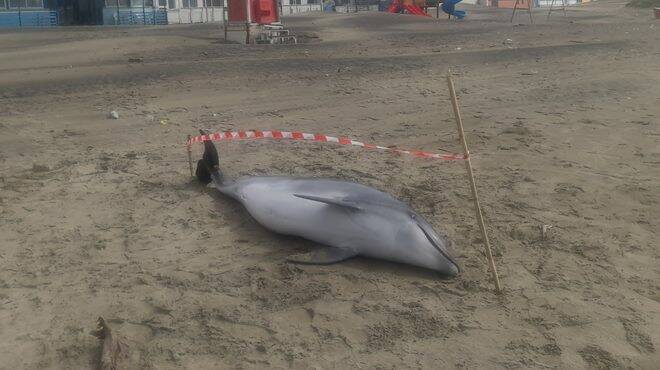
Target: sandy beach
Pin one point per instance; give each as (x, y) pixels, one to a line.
(99, 216)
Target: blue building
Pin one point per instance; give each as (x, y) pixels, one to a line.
(48, 13)
(27, 13)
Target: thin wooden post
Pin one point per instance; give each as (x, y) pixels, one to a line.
(189, 147)
(473, 186)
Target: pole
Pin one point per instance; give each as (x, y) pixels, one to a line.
(529, 8)
(468, 166)
(225, 9)
(189, 148)
(515, 6)
(248, 19)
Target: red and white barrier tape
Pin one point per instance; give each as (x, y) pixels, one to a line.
(244, 135)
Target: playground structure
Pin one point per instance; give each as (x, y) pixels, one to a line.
(255, 21)
(414, 7)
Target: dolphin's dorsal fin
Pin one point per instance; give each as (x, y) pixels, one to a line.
(339, 202)
(323, 256)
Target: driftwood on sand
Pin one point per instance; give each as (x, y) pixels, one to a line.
(114, 351)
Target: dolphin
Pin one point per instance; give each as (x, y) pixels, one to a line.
(350, 219)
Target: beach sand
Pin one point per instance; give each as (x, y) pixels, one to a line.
(99, 217)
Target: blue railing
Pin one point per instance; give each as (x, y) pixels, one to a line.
(28, 18)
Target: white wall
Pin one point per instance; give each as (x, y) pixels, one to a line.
(295, 9)
(289, 2)
(351, 8)
(195, 15)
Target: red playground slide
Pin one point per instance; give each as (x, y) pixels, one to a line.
(396, 7)
(414, 9)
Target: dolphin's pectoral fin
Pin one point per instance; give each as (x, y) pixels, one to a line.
(339, 202)
(323, 256)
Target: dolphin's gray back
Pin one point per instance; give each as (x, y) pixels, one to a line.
(326, 188)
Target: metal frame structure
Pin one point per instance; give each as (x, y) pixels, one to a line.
(563, 6)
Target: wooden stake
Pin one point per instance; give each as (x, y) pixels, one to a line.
(189, 147)
(473, 186)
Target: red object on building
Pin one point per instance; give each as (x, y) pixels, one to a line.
(264, 11)
(236, 11)
(259, 11)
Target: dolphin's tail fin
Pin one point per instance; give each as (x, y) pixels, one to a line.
(208, 168)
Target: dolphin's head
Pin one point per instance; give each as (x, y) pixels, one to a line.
(426, 246)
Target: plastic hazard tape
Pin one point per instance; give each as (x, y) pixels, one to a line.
(246, 135)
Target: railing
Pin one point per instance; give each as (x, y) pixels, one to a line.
(28, 18)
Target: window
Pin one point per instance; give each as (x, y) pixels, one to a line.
(115, 3)
(15, 4)
(171, 4)
(162, 3)
(189, 3)
(138, 3)
(215, 3)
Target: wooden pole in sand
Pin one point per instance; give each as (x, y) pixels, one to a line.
(189, 148)
(473, 186)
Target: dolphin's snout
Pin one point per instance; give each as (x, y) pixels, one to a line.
(453, 269)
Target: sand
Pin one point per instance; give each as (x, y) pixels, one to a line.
(99, 217)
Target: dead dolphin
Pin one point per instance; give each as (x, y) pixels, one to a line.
(349, 218)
